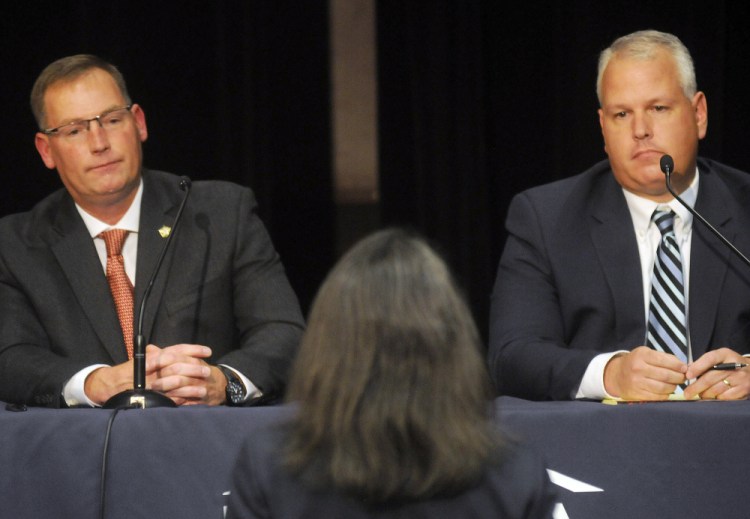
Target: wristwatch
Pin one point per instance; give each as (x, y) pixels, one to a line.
(235, 391)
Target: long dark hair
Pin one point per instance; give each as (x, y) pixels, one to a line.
(393, 393)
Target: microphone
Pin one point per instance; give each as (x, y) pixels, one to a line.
(667, 166)
(139, 396)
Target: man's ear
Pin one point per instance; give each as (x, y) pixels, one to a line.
(700, 106)
(140, 122)
(601, 126)
(41, 141)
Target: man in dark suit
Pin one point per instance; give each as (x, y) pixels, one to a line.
(572, 298)
(222, 313)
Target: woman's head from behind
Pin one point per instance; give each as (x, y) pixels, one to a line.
(392, 390)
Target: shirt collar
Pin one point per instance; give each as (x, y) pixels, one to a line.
(129, 221)
(641, 208)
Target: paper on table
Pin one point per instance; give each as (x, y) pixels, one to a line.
(674, 397)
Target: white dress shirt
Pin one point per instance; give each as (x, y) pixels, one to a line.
(648, 236)
(73, 390)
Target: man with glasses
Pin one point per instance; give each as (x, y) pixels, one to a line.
(223, 321)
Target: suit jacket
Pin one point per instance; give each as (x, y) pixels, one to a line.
(222, 284)
(262, 488)
(569, 283)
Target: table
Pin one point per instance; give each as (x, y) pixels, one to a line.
(652, 460)
(162, 463)
(659, 460)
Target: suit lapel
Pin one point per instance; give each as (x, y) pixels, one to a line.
(612, 233)
(709, 259)
(158, 209)
(76, 254)
(614, 240)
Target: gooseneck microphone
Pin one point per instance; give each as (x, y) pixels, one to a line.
(139, 396)
(667, 166)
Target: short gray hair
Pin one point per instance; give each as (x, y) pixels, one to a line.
(644, 45)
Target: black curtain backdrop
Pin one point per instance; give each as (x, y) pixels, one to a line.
(482, 99)
(477, 100)
(232, 90)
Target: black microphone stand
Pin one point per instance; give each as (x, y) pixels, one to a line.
(667, 165)
(139, 396)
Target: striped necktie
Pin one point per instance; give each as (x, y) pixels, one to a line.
(667, 324)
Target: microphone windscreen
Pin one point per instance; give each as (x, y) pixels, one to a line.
(666, 164)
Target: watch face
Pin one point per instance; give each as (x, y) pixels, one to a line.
(234, 392)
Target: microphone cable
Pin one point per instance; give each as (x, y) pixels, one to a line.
(105, 456)
(666, 163)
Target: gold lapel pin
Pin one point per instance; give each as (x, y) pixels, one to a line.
(164, 231)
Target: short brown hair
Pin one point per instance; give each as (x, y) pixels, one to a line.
(68, 69)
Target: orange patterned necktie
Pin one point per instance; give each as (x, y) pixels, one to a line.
(119, 284)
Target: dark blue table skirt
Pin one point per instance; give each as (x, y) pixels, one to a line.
(662, 460)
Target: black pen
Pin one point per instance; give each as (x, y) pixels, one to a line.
(729, 366)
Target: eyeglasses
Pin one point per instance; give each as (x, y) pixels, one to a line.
(111, 120)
